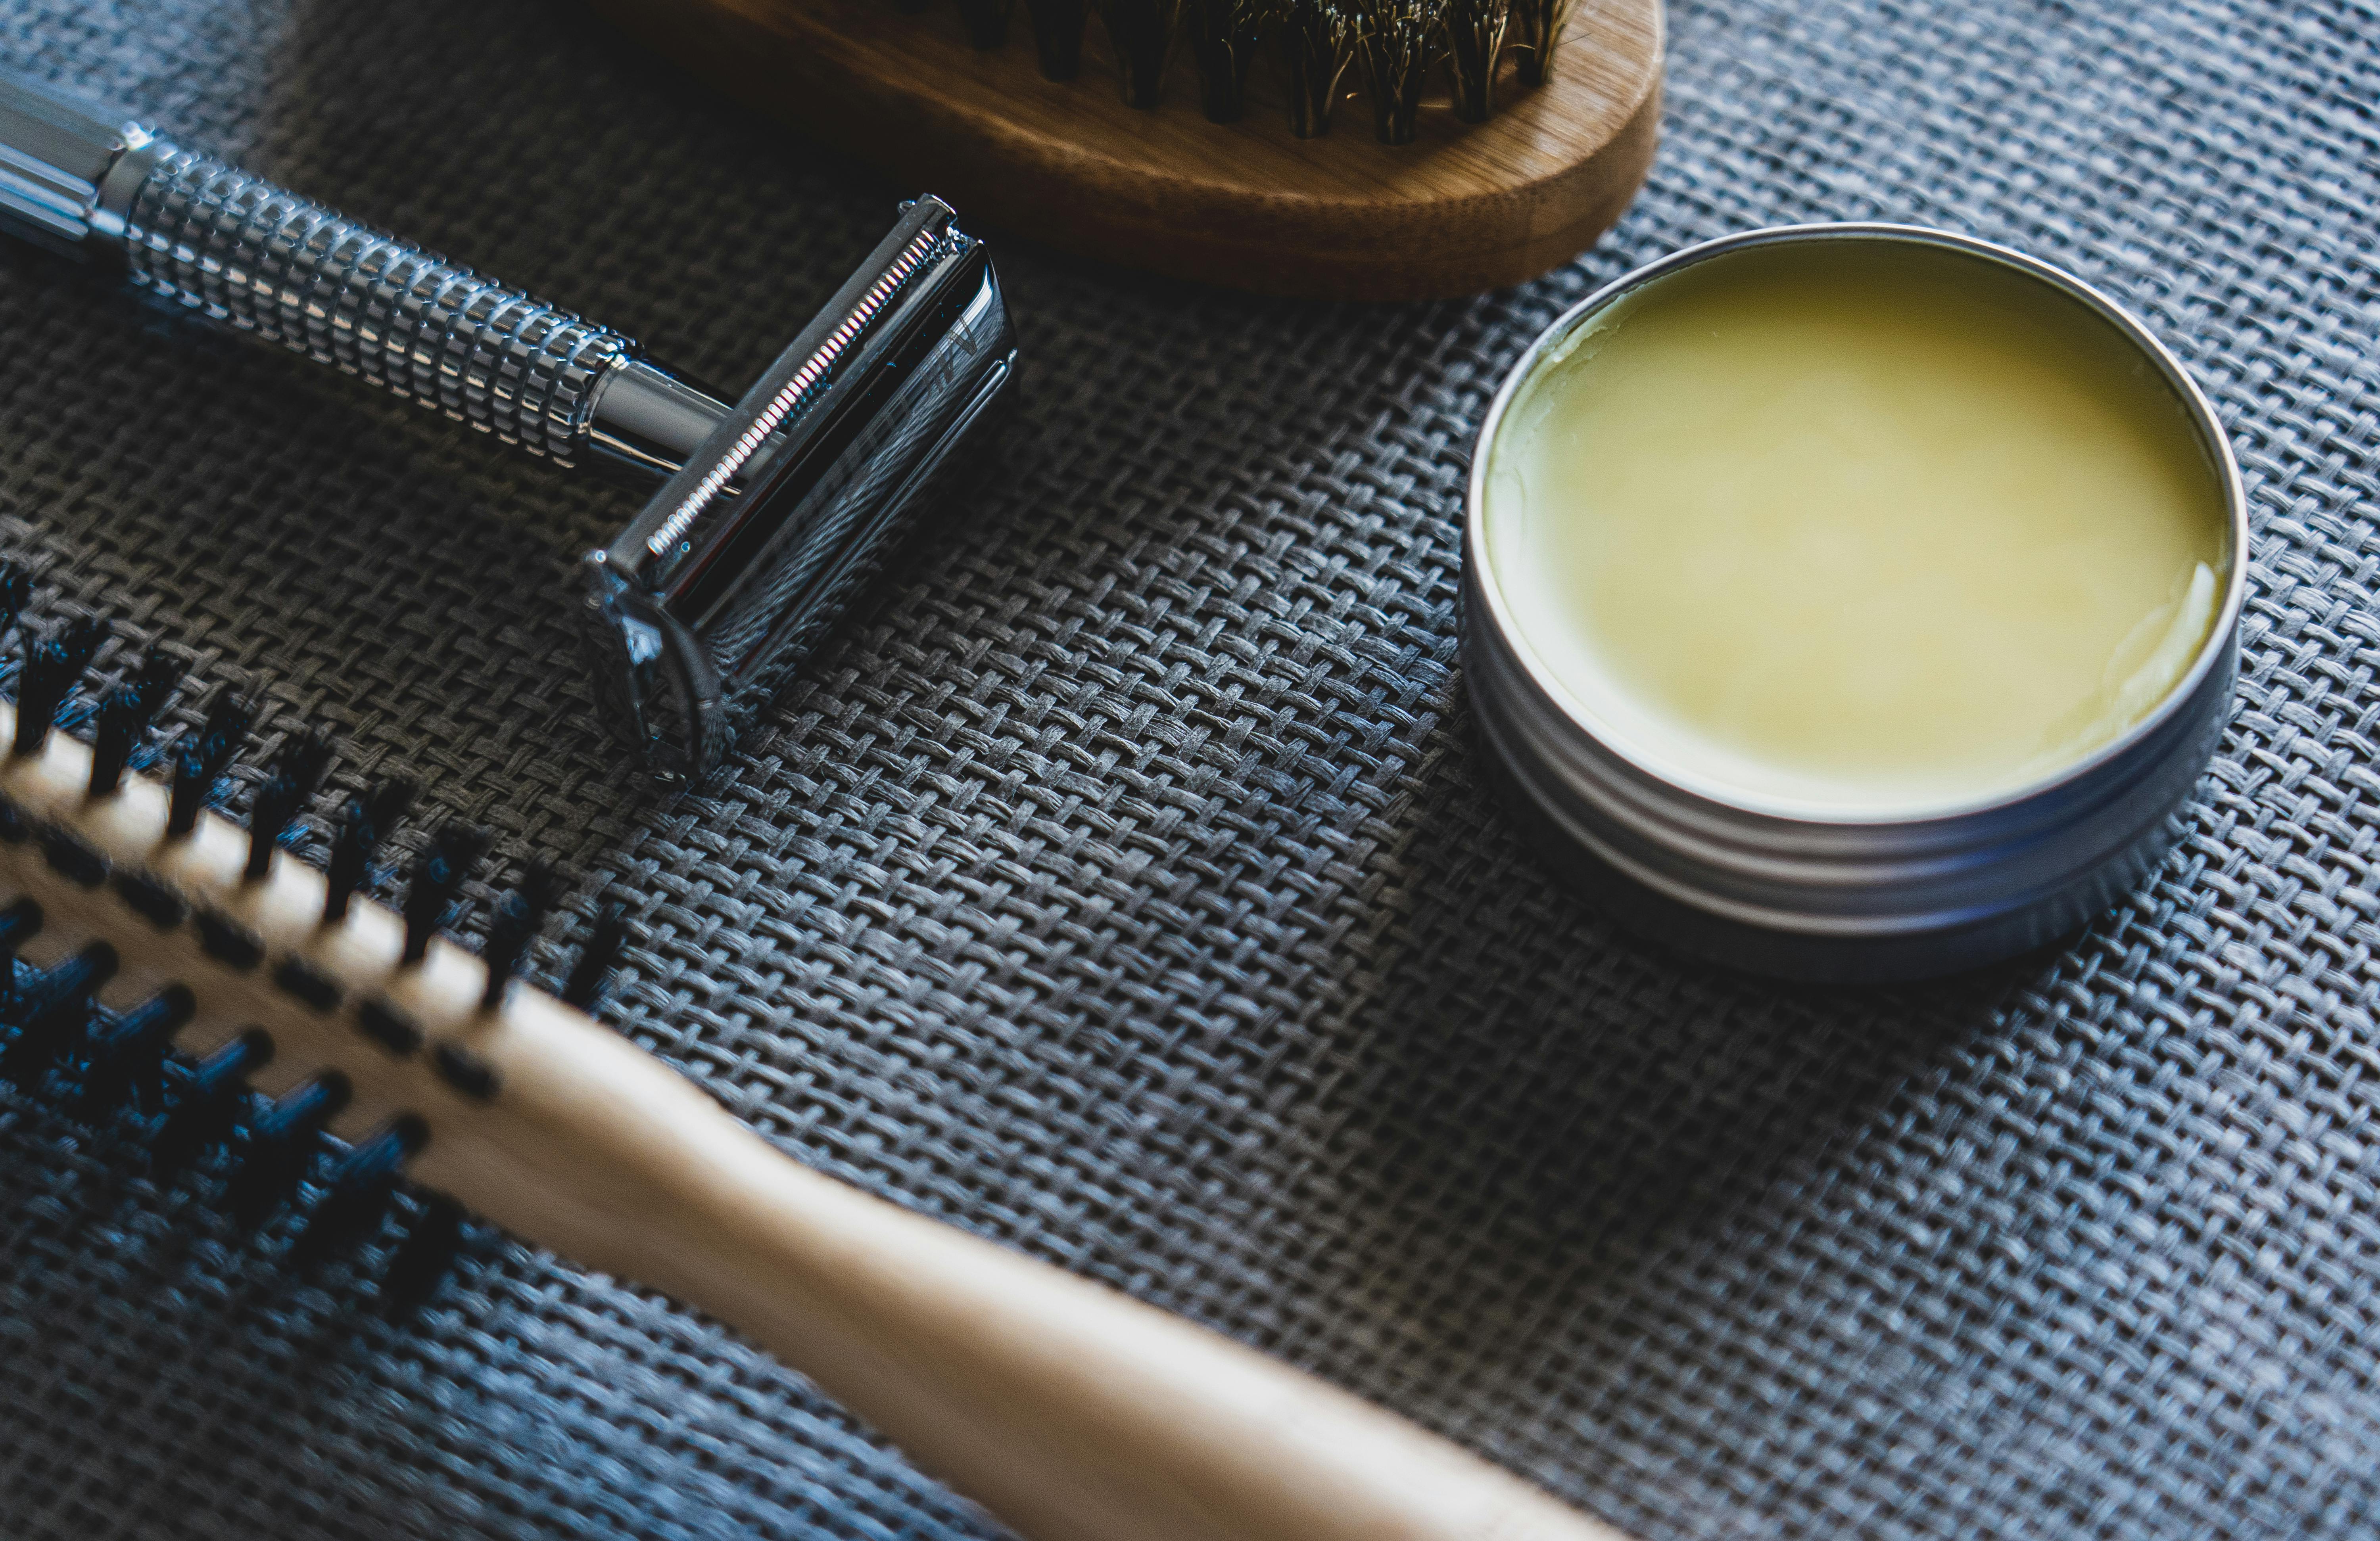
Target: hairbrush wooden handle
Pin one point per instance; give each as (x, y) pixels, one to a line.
(1075, 1413)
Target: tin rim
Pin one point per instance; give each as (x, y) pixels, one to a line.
(2211, 651)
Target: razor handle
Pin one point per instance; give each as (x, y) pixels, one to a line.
(773, 513)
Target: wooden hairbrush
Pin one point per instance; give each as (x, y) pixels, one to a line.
(1569, 95)
(166, 968)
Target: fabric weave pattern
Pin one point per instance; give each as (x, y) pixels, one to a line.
(1123, 884)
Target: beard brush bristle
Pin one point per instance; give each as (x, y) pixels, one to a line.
(1223, 37)
(1318, 43)
(1398, 42)
(1474, 43)
(986, 22)
(1142, 34)
(1395, 42)
(1058, 35)
(1536, 30)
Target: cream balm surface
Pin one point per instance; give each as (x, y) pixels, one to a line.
(1854, 528)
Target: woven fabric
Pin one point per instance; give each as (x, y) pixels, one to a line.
(1123, 885)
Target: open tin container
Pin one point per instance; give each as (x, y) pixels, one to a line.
(1839, 895)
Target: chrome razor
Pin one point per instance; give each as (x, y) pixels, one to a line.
(770, 515)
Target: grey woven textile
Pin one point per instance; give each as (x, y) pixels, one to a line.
(1123, 885)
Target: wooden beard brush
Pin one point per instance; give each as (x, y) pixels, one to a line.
(169, 971)
(1497, 139)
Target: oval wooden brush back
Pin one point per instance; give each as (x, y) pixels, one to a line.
(1467, 207)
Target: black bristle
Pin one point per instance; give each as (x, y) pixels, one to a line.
(275, 805)
(80, 640)
(159, 675)
(512, 927)
(1223, 37)
(363, 824)
(602, 955)
(154, 901)
(52, 666)
(282, 1138)
(297, 771)
(303, 757)
(125, 715)
(191, 787)
(227, 940)
(1142, 34)
(1396, 46)
(72, 858)
(1317, 40)
(986, 22)
(1058, 35)
(1537, 32)
(225, 729)
(51, 1011)
(351, 851)
(16, 592)
(387, 803)
(128, 1058)
(204, 1103)
(1475, 43)
(467, 1071)
(428, 1252)
(19, 924)
(362, 1188)
(438, 877)
(200, 758)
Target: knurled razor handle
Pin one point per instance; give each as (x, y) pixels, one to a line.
(253, 256)
(246, 254)
(773, 515)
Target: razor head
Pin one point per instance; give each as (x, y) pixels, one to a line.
(736, 569)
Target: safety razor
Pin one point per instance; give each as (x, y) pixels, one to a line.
(770, 515)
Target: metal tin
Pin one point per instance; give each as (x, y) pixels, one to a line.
(1845, 898)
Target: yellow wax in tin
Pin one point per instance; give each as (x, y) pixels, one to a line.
(1855, 527)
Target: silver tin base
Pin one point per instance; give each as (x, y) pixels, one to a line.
(1825, 920)
(1840, 899)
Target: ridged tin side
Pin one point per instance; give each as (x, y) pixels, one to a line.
(1845, 898)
